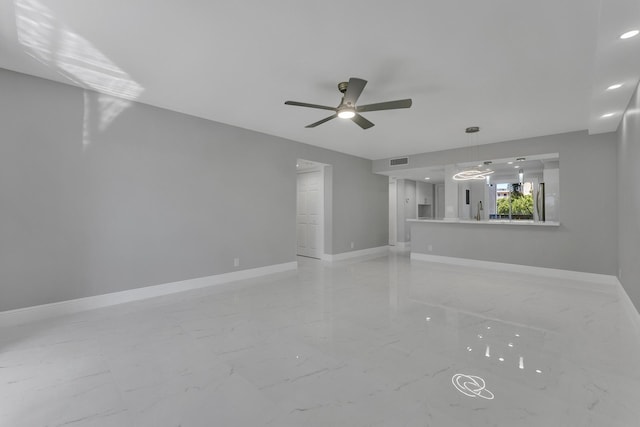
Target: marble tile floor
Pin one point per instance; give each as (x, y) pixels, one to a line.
(380, 341)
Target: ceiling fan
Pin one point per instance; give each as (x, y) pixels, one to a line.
(348, 109)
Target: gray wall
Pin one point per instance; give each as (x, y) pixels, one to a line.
(90, 207)
(629, 200)
(587, 238)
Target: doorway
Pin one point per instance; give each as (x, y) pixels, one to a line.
(310, 218)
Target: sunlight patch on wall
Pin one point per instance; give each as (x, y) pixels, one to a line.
(54, 44)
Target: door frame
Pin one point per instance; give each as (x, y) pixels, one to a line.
(324, 209)
(393, 211)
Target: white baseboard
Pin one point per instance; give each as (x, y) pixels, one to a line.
(403, 245)
(518, 268)
(41, 312)
(354, 254)
(627, 305)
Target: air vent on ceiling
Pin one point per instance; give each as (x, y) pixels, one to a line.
(399, 161)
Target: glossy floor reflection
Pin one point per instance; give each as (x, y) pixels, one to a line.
(375, 342)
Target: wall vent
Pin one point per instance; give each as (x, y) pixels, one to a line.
(399, 161)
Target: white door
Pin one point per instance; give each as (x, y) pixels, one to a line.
(309, 214)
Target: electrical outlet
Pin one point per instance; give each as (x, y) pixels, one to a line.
(351, 245)
(236, 262)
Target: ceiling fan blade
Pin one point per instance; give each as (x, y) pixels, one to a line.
(304, 104)
(354, 89)
(312, 125)
(362, 122)
(389, 105)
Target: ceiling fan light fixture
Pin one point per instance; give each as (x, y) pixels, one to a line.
(347, 108)
(346, 114)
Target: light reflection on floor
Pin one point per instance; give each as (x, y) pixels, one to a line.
(472, 386)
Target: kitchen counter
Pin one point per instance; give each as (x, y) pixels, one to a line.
(516, 222)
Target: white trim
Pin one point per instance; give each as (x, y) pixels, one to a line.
(40, 312)
(393, 211)
(321, 170)
(630, 310)
(518, 268)
(354, 254)
(403, 245)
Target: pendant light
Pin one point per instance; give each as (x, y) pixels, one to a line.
(474, 172)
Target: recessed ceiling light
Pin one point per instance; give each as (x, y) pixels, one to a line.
(509, 163)
(427, 177)
(516, 167)
(629, 34)
(615, 86)
(604, 116)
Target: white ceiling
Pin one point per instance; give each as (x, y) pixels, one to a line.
(517, 69)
